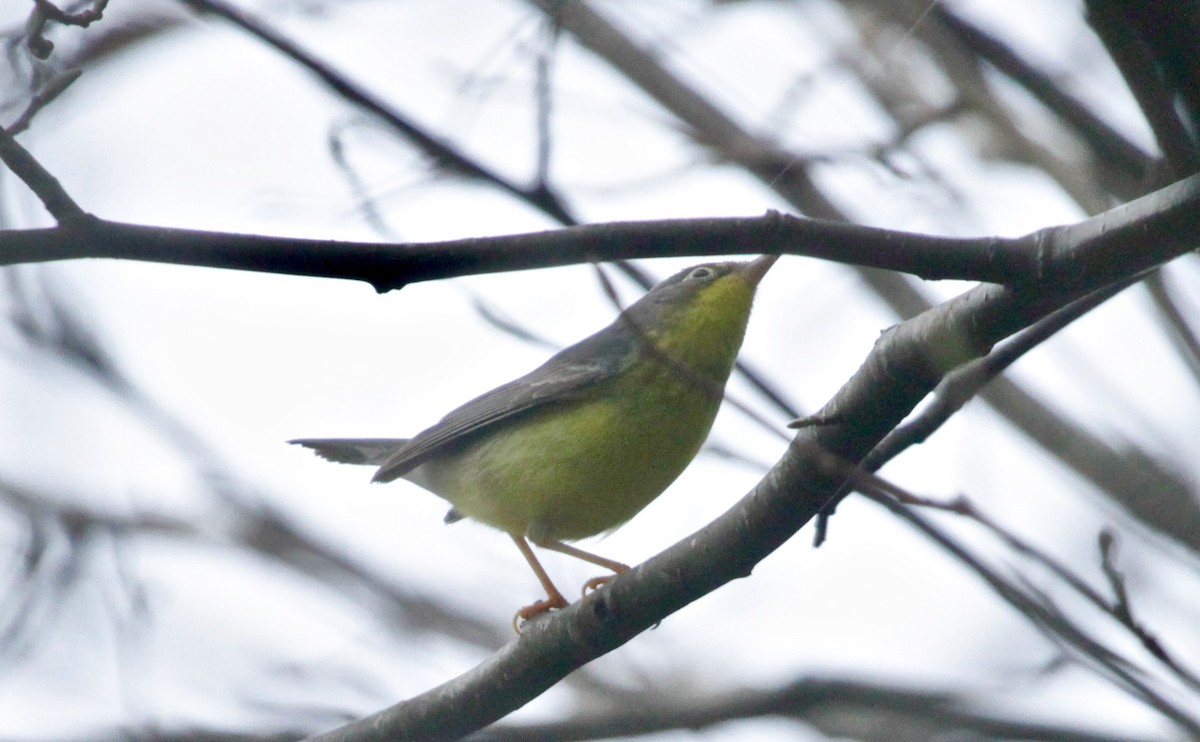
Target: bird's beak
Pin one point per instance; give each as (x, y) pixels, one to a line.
(757, 268)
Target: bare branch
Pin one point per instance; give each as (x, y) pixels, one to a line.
(1125, 241)
(43, 98)
(53, 196)
(45, 12)
(963, 384)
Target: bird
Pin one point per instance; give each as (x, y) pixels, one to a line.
(581, 444)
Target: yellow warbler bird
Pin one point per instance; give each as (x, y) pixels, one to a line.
(582, 443)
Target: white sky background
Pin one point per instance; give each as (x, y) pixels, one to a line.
(205, 128)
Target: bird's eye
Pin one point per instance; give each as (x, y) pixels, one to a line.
(701, 273)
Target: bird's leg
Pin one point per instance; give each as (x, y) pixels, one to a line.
(554, 599)
(587, 556)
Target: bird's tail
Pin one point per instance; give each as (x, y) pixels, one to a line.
(373, 451)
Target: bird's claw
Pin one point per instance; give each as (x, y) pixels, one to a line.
(596, 583)
(552, 603)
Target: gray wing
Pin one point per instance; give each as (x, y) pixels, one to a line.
(566, 376)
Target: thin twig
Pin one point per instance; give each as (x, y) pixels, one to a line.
(45, 12)
(51, 90)
(1127, 166)
(47, 188)
(440, 150)
(884, 493)
(1119, 608)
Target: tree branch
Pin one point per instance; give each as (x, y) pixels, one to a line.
(26, 167)
(1118, 243)
(45, 12)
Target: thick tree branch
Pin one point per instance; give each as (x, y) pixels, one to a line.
(964, 384)
(1098, 251)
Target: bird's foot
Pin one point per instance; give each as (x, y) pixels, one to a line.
(596, 583)
(554, 602)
